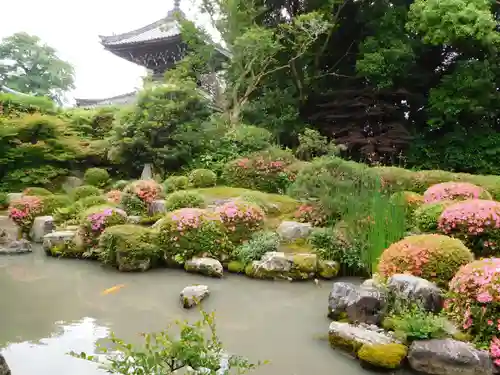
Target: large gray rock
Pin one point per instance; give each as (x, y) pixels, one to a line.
(193, 295)
(157, 207)
(127, 262)
(409, 288)
(293, 230)
(279, 265)
(58, 243)
(205, 266)
(16, 247)
(359, 304)
(42, 225)
(351, 337)
(4, 368)
(449, 357)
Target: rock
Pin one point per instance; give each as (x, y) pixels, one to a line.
(127, 263)
(42, 225)
(205, 266)
(328, 269)
(59, 243)
(5, 237)
(449, 357)
(157, 207)
(133, 219)
(71, 182)
(366, 305)
(339, 297)
(415, 289)
(351, 337)
(4, 368)
(193, 295)
(16, 247)
(11, 197)
(293, 230)
(385, 356)
(278, 265)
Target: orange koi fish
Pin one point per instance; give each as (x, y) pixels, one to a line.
(113, 289)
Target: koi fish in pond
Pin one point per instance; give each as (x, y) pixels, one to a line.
(113, 289)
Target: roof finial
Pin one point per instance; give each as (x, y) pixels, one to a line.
(177, 5)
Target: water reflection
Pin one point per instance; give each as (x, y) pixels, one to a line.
(49, 355)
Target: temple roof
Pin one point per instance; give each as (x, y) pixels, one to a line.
(166, 28)
(127, 98)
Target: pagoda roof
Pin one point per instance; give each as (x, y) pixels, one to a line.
(165, 28)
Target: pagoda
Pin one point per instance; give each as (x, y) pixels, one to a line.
(156, 47)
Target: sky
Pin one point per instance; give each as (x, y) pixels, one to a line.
(73, 30)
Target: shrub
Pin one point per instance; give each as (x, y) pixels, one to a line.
(311, 213)
(23, 212)
(4, 200)
(96, 219)
(190, 232)
(36, 192)
(138, 195)
(52, 203)
(184, 199)
(96, 177)
(201, 178)
(434, 257)
(414, 323)
(265, 171)
(387, 356)
(241, 219)
(114, 196)
(174, 183)
(474, 302)
(259, 244)
(71, 213)
(128, 247)
(454, 191)
(120, 184)
(476, 222)
(85, 191)
(426, 217)
(249, 138)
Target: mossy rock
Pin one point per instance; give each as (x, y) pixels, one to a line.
(339, 342)
(236, 267)
(386, 356)
(278, 265)
(328, 269)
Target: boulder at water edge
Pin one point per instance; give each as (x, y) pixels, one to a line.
(127, 263)
(193, 295)
(16, 247)
(4, 368)
(417, 290)
(42, 225)
(328, 269)
(449, 357)
(358, 304)
(278, 265)
(293, 230)
(59, 243)
(351, 337)
(205, 266)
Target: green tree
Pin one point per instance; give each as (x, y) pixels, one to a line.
(32, 67)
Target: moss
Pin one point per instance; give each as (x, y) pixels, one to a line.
(462, 336)
(249, 270)
(307, 263)
(388, 324)
(388, 356)
(328, 269)
(297, 246)
(236, 267)
(340, 342)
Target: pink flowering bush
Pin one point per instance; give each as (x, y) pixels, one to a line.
(241, 219)
(476, 222)
(474, 303)
(311, 213)
(434, 257)
(95, 219)
(454, 191)
(190, 232)
(23, 212)
(114, 196)
(138, 195)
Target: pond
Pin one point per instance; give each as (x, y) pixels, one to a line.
(52, 306)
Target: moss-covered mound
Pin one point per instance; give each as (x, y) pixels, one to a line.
(386, 356)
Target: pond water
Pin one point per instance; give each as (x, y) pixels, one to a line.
(52, 306)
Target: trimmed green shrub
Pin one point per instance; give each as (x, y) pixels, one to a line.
(259, 244)
(4, 201)
(36, 192)
(184, 199)
(241, 219)
(52, 203)
(138, 195)
(174, 183)
(85, 191)
(97, 177)
(427, 215)
(120, 184)
(202, 178)
(94, 220)
(455, 191)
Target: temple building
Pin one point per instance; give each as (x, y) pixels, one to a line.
(156, 47)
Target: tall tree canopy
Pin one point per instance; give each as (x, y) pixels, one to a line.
(32, 67)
